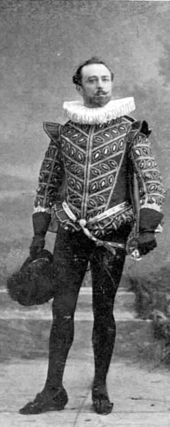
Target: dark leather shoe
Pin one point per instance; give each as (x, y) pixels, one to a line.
(100, 399)
(46, 403)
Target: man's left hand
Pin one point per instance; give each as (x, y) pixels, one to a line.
(146, 242)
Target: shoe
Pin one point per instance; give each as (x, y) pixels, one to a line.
(101, 402)
(46, 403)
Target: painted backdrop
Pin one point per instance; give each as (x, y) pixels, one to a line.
(42, 42)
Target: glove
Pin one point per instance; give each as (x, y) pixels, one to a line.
(146, 242)
(41, 222)
(37, 246)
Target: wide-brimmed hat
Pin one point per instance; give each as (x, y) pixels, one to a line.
(34, 283)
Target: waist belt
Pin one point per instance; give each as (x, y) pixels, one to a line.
(83, 224)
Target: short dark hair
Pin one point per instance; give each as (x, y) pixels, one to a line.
(77, 78)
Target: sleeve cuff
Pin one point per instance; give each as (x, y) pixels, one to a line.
(149, 220)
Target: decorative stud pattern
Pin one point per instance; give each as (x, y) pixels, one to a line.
(151, 189)
(93, 161)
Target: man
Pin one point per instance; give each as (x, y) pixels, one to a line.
(84, 184)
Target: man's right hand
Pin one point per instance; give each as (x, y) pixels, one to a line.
(41, 222)
(37, 246)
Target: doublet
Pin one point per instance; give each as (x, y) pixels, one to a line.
(90, 167)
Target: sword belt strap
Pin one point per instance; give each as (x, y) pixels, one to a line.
(83, 224)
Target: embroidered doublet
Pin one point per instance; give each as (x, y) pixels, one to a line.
(92, 164)
(93, 156)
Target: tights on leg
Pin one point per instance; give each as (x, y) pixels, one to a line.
(61, 338)
(106, 274)
(103, 338)
(71, 265)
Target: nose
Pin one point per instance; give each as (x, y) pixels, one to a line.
(100, 84)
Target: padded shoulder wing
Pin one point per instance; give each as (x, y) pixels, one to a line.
(141, 127)
(52, 130)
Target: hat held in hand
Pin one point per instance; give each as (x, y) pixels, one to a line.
(34, 283)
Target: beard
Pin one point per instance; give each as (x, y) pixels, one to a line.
(100, 99)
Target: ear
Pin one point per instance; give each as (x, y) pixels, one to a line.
(79, 89)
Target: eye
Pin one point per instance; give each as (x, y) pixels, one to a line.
(91, 80)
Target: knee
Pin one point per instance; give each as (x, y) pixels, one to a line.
(63, 329)
(105, 322)
(63, 308)
(62, 318)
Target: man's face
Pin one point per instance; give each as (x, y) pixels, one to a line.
(96, 88)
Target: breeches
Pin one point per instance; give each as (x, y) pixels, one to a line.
(72, 253)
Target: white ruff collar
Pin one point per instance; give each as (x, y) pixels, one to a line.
(78, 113)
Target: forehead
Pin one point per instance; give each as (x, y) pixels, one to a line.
(95, 70)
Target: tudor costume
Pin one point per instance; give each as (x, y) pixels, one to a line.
(85, 192)
(94, 154)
